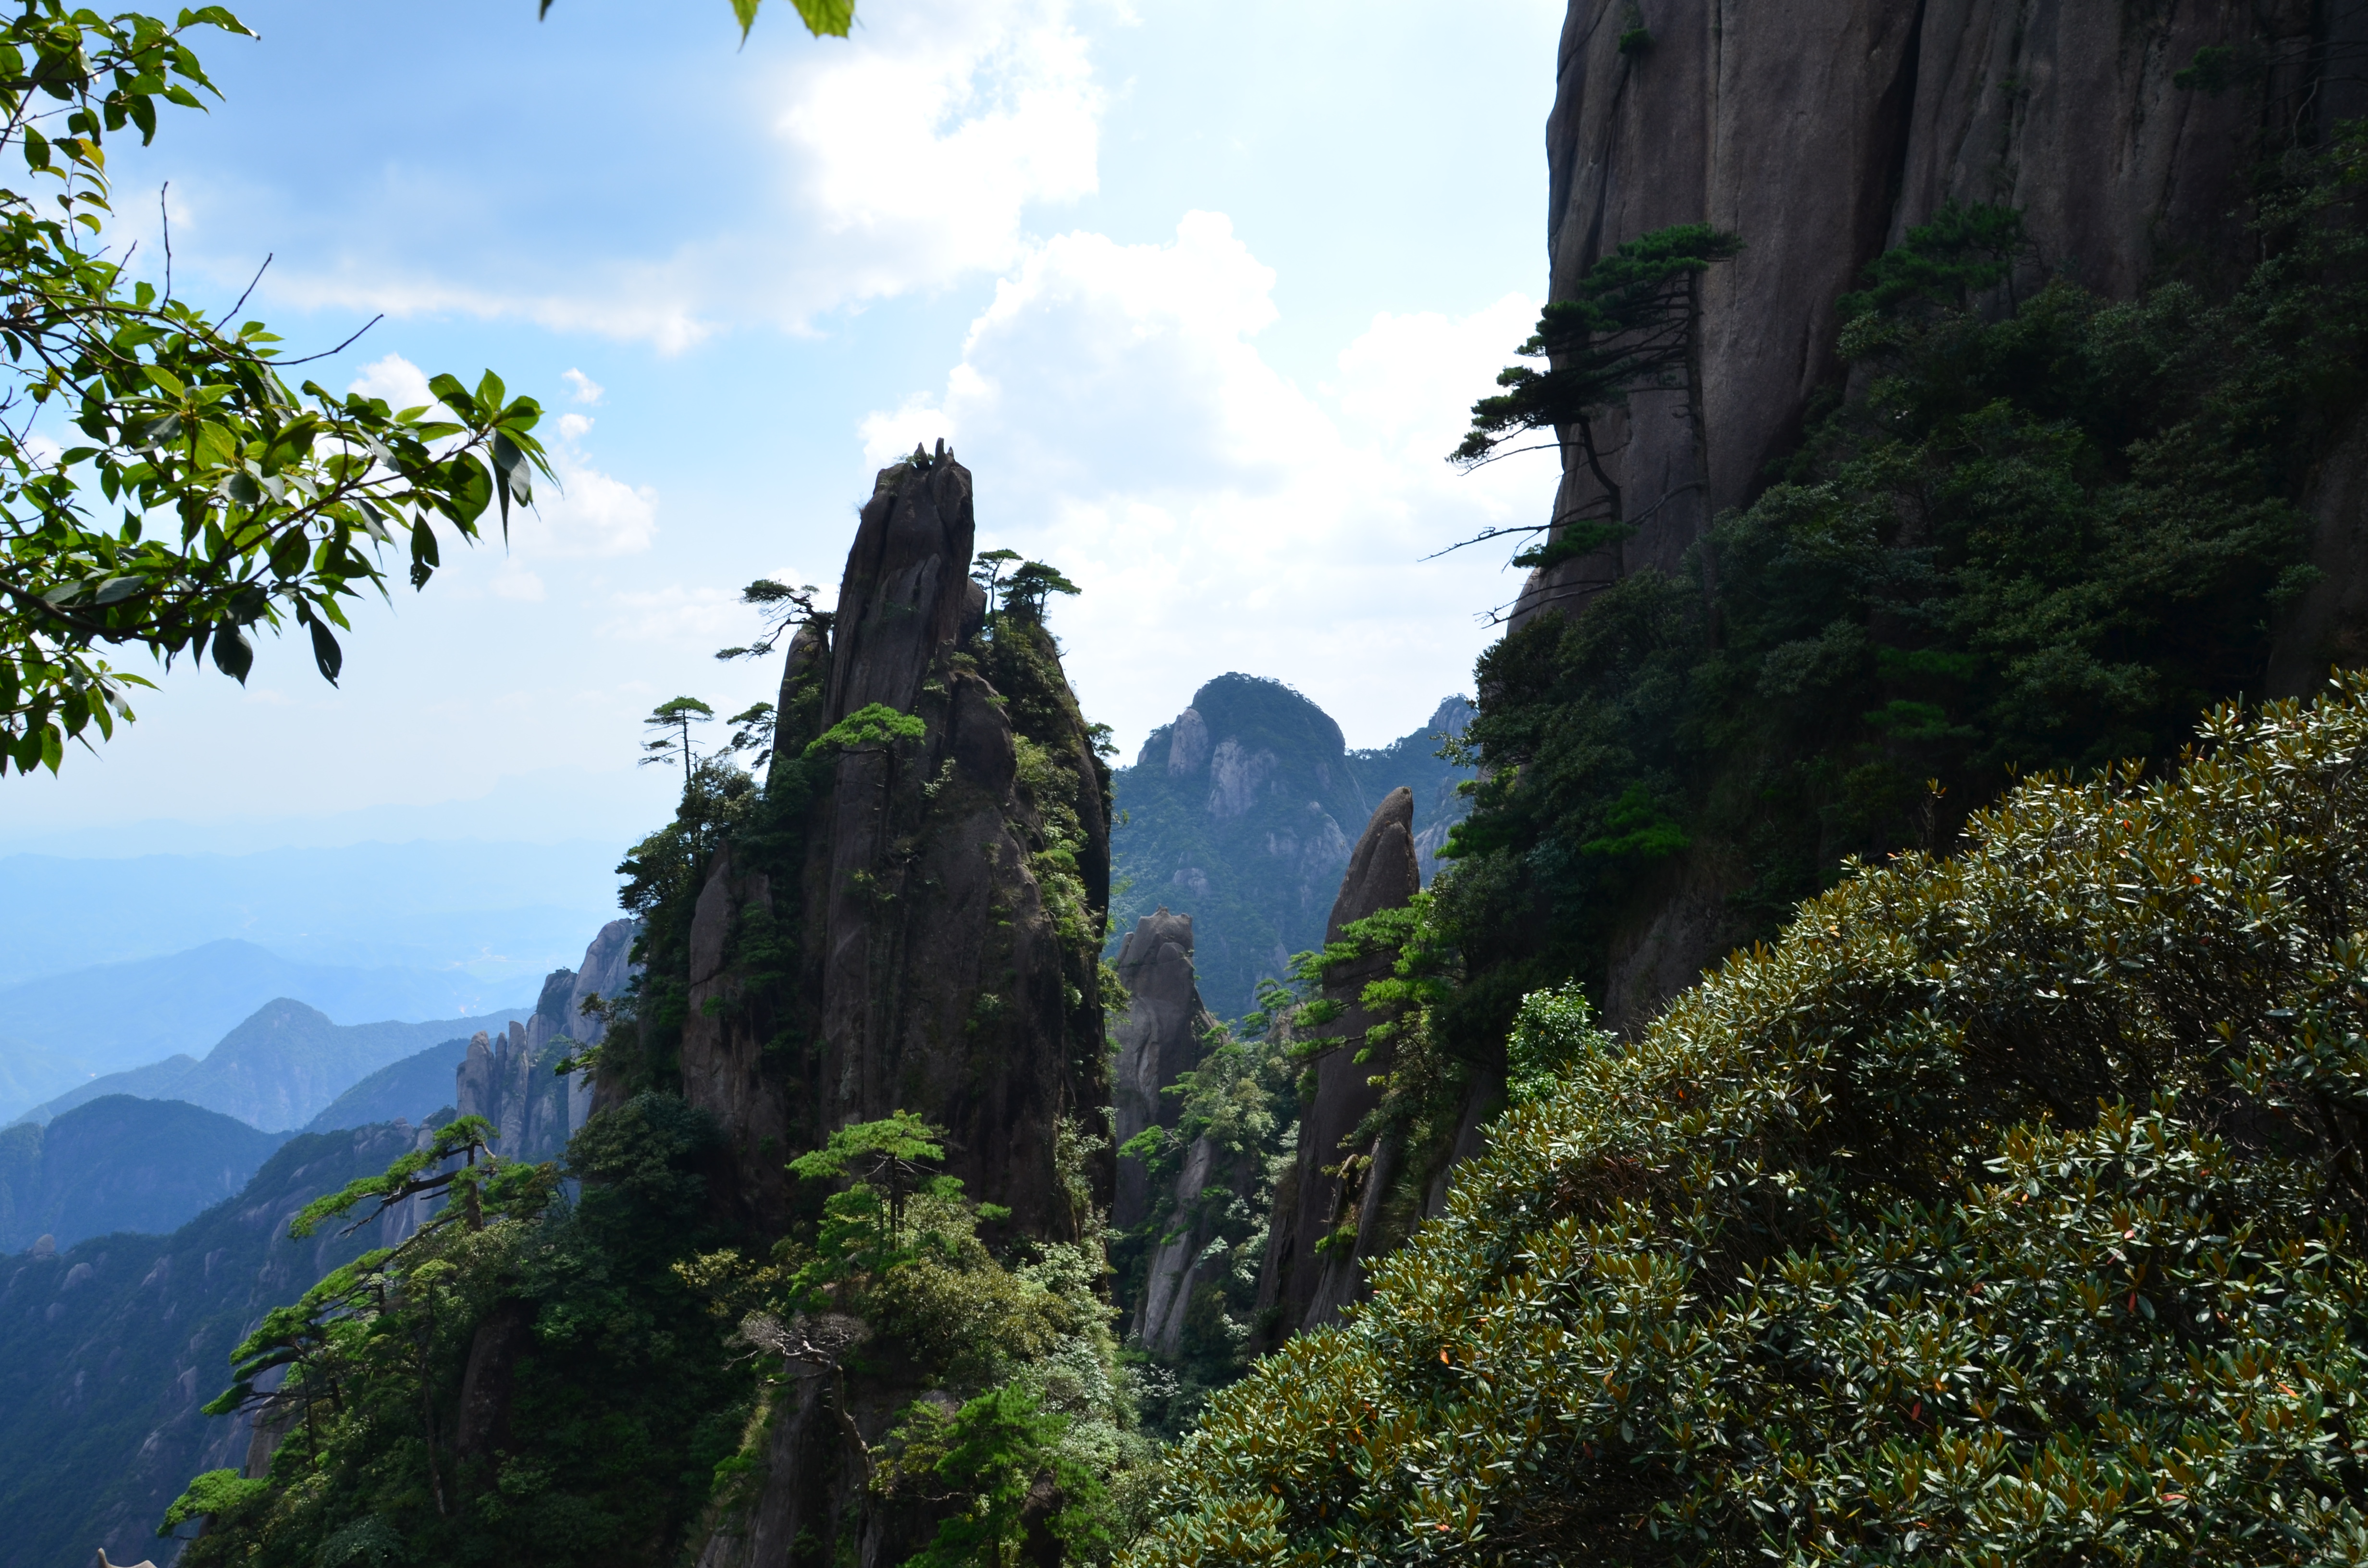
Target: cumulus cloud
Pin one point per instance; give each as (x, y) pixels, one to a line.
(589, 513)
(581, 387)
(908, 157)
(1123, 422)
(402, 383)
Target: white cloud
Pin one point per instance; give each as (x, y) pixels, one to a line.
(1122, 422)
(581, 387)
(588, 513)
(676, 615)
(395, 379)
(515, 582)
(908, 158)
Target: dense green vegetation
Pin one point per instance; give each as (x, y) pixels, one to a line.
(2051, 532)
(603, 1380)
(2004, 1209)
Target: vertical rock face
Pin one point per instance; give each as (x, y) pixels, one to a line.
(509, 1078)
(1333, 1189)
(946, 906)
(919, 933)
(1158, 1042)
(1821, 132)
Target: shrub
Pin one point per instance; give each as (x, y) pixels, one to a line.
(2003, 1210)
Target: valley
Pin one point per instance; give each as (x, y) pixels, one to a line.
(1840, 1038)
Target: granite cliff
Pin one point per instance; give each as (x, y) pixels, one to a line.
(1329, 1207)
(915, 929)
(2130, 140)
(510, 1078)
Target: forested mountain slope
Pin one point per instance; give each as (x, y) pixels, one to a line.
(121, 1164)
(1241, 813)
(109, 1347)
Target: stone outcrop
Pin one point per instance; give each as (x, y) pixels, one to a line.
(1236, 814)
(1159, 1039)
(1821, 132)
(917, 929)
(509, 1078)
(1328, 1207)
(938, 961)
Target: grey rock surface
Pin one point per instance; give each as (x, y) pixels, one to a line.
(1334, 1184)
(1821, 131)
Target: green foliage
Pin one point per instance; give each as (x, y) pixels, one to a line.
(1031, 585)
(2004, 1209)
(223, 1495)
(412, 1176)
(672, 720)
(1554, 1032)
(621, 1399)
(872, 727)
(235, 502)
(986, 1459)
(2049, 533)
(1628, 328)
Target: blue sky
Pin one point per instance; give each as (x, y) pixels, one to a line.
(1198, 293)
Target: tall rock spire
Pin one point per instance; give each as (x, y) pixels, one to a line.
(1333, 1188)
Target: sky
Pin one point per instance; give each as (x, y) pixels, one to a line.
(1200, 296)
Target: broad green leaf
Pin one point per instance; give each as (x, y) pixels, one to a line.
(831, 18)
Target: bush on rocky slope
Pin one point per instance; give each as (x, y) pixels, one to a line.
(2004, 1209)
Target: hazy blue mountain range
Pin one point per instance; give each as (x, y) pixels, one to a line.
(121, 1164)
(502, 912)
(1241, 813)
(413, 1089)
(107, 1349)
(284, 1063)
(60, 1032)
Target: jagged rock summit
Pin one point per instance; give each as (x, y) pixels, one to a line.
(920, 933)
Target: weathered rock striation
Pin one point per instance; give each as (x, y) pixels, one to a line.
(1334, 1187)
(1821, 132)
(1160, 1040)
(921, 933)
(509, 1078)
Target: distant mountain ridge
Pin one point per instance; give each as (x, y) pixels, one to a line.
(1241, 813)
(121, 1164)
(55, 1033)
(107, 1348)
(282, 1065)
(410, 1090)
